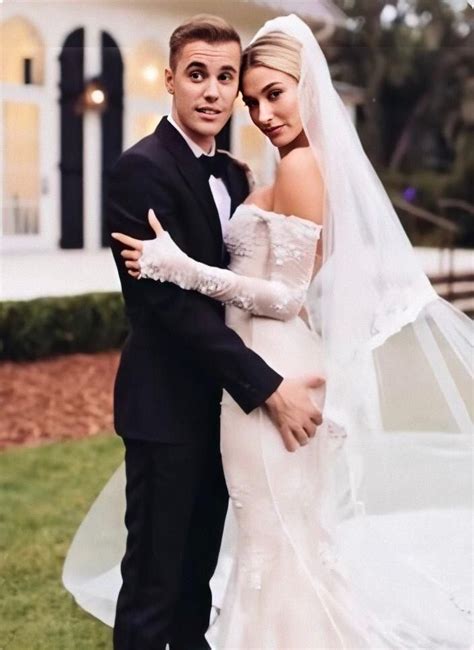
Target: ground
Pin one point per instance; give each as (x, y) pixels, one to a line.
(56, 399)
(44, 495)
(45, 492)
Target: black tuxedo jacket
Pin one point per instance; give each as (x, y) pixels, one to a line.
(179, 353)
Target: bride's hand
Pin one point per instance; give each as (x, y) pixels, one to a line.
(135, 246)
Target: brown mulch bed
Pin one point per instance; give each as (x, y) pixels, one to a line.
(56, 399)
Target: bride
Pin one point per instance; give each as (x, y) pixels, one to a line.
(361, 538)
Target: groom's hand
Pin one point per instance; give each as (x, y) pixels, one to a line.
(293, 411)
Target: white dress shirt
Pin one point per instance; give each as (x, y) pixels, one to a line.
(217, 186)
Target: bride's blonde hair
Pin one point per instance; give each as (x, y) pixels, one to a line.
(274, 50)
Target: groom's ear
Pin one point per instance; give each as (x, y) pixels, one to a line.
(169, 81)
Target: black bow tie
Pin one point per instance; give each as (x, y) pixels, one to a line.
(214, 165)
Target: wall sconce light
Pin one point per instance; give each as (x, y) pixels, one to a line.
(93, 97)
(151, 73)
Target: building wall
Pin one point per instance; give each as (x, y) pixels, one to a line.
(31, 113)
(140, 30)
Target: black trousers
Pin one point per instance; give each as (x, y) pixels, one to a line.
(176, 506)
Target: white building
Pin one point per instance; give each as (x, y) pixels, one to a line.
(57, 149)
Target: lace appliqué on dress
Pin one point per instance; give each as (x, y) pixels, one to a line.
(294, 248)
(290, 242)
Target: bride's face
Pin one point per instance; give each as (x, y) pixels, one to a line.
(272, 100)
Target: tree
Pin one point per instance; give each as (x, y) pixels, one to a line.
(414, 58)
(403, 51)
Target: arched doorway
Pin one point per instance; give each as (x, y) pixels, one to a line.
(91, 137)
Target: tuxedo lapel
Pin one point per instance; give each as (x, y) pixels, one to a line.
(237, 189)
(192, 173)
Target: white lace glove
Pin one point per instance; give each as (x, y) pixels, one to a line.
(163, 260)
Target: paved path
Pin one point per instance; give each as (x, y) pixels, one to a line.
(31, 275)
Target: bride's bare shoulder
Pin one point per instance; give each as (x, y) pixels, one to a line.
(299, 187)
(262, 197)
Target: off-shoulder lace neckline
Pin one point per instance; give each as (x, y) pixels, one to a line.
(277, 215)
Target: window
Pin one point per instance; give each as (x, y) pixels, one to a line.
(22, 60)
(21, 177)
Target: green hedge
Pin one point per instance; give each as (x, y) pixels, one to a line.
(46, 327)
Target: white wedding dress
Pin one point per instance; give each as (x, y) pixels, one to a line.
(293, 572)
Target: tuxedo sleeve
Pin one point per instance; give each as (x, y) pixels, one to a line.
(135, 186)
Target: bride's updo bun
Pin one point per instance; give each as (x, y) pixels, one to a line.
(274, 50)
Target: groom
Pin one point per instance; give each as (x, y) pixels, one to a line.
(180, 354)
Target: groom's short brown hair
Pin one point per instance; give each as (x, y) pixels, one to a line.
(203, 27)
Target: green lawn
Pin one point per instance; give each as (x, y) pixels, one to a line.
(44, 494)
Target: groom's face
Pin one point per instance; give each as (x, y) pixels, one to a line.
(204, 84)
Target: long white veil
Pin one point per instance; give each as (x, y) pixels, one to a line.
(399, 383)
(399, 363)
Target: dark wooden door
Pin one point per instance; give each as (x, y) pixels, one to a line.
(72, 135)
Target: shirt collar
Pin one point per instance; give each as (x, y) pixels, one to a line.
(195, 148)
